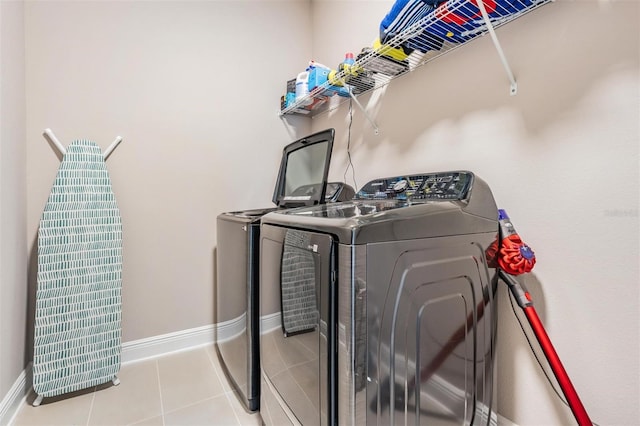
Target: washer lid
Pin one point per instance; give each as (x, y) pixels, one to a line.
(350, 209)
(408, 207)
(302, 178)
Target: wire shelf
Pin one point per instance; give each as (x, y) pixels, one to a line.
(443, 28)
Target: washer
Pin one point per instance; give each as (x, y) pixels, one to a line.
(302, 181)
(385, 306)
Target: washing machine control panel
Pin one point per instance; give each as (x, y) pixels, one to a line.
(421, 187)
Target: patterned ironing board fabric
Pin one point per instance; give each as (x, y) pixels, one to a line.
(78, 300)
(298, 288)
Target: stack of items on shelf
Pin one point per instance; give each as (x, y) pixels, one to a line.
(314, 86)
(410, 30)
(430, 25)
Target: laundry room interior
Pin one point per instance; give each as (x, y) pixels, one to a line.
(542, 111)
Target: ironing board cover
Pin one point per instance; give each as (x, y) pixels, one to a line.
(298, 291)
(78, 300)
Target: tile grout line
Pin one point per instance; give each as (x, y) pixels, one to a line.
(225, 393)
(191, 404)
(93, 398)
(267, 410)
(159, 390)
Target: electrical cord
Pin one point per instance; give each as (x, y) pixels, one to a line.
(350, 164)
(535, 355)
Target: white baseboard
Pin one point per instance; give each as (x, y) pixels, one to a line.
(270, 322)
(151, 347)
(15, 397)
(155, 346)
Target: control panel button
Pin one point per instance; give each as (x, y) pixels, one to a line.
(400, 185)
(423, 187)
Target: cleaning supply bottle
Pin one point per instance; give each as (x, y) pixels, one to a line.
(302, 88)
(345, 67)
(333, 80)
(347, 64)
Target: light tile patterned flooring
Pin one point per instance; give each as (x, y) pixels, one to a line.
(186, 388)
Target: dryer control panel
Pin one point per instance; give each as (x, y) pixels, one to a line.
(421, 187)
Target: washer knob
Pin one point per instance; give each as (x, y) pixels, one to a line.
(400, 185)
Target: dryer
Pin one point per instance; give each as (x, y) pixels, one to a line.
(386, 306)
(302, 181)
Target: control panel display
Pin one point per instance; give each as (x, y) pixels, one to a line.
(423, 187)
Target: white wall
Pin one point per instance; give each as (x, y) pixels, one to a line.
(13, 248)
(561, 157)
(193, 88)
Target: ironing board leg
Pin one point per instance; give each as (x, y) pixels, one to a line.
(37, 401)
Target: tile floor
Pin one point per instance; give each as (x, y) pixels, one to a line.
(185, 388)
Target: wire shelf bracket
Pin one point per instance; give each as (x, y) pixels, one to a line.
(496, 43)
(364, 111)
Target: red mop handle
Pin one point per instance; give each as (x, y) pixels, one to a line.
(515, 258)
(523, 298)
(556, 365)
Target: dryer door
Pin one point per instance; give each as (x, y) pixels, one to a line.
(296, 354)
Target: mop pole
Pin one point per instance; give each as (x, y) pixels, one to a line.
(524, 301)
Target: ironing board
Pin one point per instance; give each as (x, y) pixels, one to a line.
(77, 339)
